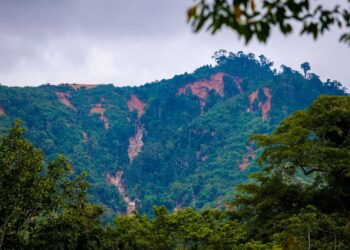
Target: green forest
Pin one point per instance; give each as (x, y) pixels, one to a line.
(176, 143)
(299, 198)
(238, 155)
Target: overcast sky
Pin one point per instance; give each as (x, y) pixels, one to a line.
(131, 42)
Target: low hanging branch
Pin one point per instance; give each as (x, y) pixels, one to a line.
(249, 19)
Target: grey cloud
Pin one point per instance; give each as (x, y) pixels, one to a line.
(112, 18)
(131, 42)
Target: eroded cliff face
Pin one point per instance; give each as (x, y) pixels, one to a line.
(202, 88)
(135, 147)
(135, 104)
(264, 106)
(118, 183)
(136, 142)
(97, 109)
(63, 97)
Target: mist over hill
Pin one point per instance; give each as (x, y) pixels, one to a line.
(179, 142)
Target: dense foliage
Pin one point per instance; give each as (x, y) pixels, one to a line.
(249, 18)
(188, 135)
(295, 202)
(40, 204)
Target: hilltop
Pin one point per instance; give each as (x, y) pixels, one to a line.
(178, 142)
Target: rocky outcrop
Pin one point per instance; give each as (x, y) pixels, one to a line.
(265, 107)
(76, 86)
(118, 183)
(97, 109)
(63, 97)
(135, 104)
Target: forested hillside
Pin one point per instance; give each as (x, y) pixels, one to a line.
(180, 142)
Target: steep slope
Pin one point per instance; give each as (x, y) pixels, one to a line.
(178, 142)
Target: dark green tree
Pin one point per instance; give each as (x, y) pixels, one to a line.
(301, 197)
(36, 198)
(249, 18)
(315, 143)
(305, 67)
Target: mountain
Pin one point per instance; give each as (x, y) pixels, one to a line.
(178, 142)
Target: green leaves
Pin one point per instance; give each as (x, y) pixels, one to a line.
(248, 19)
(184, 229)
(35, 196)
(300, 199)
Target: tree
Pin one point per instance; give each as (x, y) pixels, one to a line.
(316, 143)
(312, 229)
(249, 18)
(305, 67)
(36, 197)
(301, 196)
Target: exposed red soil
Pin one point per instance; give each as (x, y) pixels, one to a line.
(63, 97)
(182, 90)
(77, 86)
(97, 109)
(136, 104)
(266, 107)
(247, 158)
(2, 111)
(135, 144)
(204, 158)
(252, 97)
(244, 163)
(118, 183)
(203, 87)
